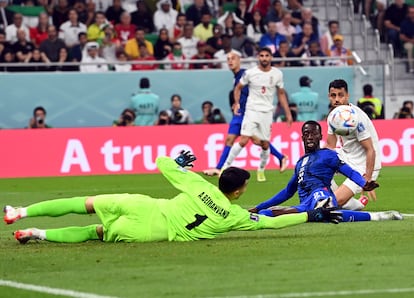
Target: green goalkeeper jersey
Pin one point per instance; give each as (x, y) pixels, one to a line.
(202, 211)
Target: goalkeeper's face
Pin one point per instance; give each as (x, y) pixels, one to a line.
(239, 192)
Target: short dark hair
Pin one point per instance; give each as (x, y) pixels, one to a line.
(332, 22)
(130, 111)
(367, 88)
(338, 84)
(175, 95)
(207, 102)
(144, 83)
(312, 122)
(232, 178)
(39, 108)
(266, 49)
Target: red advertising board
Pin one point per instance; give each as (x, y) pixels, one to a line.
(127, 150)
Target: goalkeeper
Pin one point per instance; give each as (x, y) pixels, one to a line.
(200, 211)
(312, 179)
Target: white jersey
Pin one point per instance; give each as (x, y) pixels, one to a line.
(262, 87)
(351, 150)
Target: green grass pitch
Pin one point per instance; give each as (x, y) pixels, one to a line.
(369, 259)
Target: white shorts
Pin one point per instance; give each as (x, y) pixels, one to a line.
(257, 124)
(355, 187)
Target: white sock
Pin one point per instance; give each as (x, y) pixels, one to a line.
(374, 216)
(23, 212)
(234, 152)
(41, 234)
(353, 204)
(264, 157)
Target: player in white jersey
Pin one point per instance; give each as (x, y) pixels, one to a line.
(264, 82)
(360, 149)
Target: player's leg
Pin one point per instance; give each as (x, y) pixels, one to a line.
(53, 208)
(263, 132)
(350, 215)
(224, 154)
(283, 159)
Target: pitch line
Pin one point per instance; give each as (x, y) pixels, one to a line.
(48, 290)
(324, 294)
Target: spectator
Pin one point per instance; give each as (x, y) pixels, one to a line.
(91, 11)
(242, 12)
(52, 45)
(165, 16)
(394, 15)
(127, 118)
(132, 48)
(371, 105)
(227, 21)
(8, 56)
(256, 28)
(177, 114)
(272, 38)
(36, 57)
(240, 42)
(306, 101)
(406, 110)
(120, 65)
(39, 33)
(195, 11)
(109, 45)
(4, 44)
(142, 17)
(338, 50)
(79, 50)
(60, 13)
(83, 15)
(100, 64)
(11, 30)
(95, 30)
(63, 59)
(407, 37)
(39, 118)
(313, 51)
(211, 115)
(6, 16)
(201, 55)
(178, 30)
(215, 43)
(69, 30)
(282, 53)
(145, 104)
(163, 119)
(303, 39)
(306, 16)
(177, 57)
(204, 30)
(163, 45)
(326, 41)
(113, 13)
(144, 56)
(275, 13)
(101, 5)
(125, 30)
(261, 5)
(22, 47)
(189, 41)
(222, 54)
(284, 27)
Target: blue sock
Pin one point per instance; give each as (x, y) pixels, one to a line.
(349, 215)
(223, 157)
(276, 153)
(266, 212)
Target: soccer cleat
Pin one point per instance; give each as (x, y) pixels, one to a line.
(23, 236)
(261, 176)
(283, 163)
(11, 214)
(389, 215)
(211, 172)
(363, 200)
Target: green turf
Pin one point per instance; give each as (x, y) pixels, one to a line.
(301, 259)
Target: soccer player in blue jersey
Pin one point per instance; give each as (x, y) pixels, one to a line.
(233, 61)
(312, 180)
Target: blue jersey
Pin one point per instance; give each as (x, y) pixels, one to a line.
(235, 123)
(312, 179)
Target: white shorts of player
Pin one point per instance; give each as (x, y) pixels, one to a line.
(257, 124)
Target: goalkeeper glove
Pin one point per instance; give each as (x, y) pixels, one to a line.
(185, 159)
(325, 214)
(370, 185)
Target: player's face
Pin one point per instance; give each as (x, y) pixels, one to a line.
(338, 97)
(265, 59)
(238, 193)
(311, 137)
(233, 61)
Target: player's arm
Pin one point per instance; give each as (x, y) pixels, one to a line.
(237, 93)
(331, 141)
(370, 157)
(281, 95)
(357, 178)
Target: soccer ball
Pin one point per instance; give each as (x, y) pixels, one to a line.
(343, 120)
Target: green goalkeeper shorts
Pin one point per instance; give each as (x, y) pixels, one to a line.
(130, 218)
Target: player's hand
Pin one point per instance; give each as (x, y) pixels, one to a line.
(370, 185)
(185, 159)
(253, 210)
(325, 214)
(236, 108)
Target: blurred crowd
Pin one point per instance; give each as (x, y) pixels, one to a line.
(103, 35)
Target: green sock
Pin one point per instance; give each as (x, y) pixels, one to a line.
(72, 234)
(57, 207)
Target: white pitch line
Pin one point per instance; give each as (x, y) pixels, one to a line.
(48, 290)
(324, 294)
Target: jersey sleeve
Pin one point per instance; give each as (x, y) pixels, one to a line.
(244, 79)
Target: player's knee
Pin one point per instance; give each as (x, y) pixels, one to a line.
(230, 140)
(99, 231)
